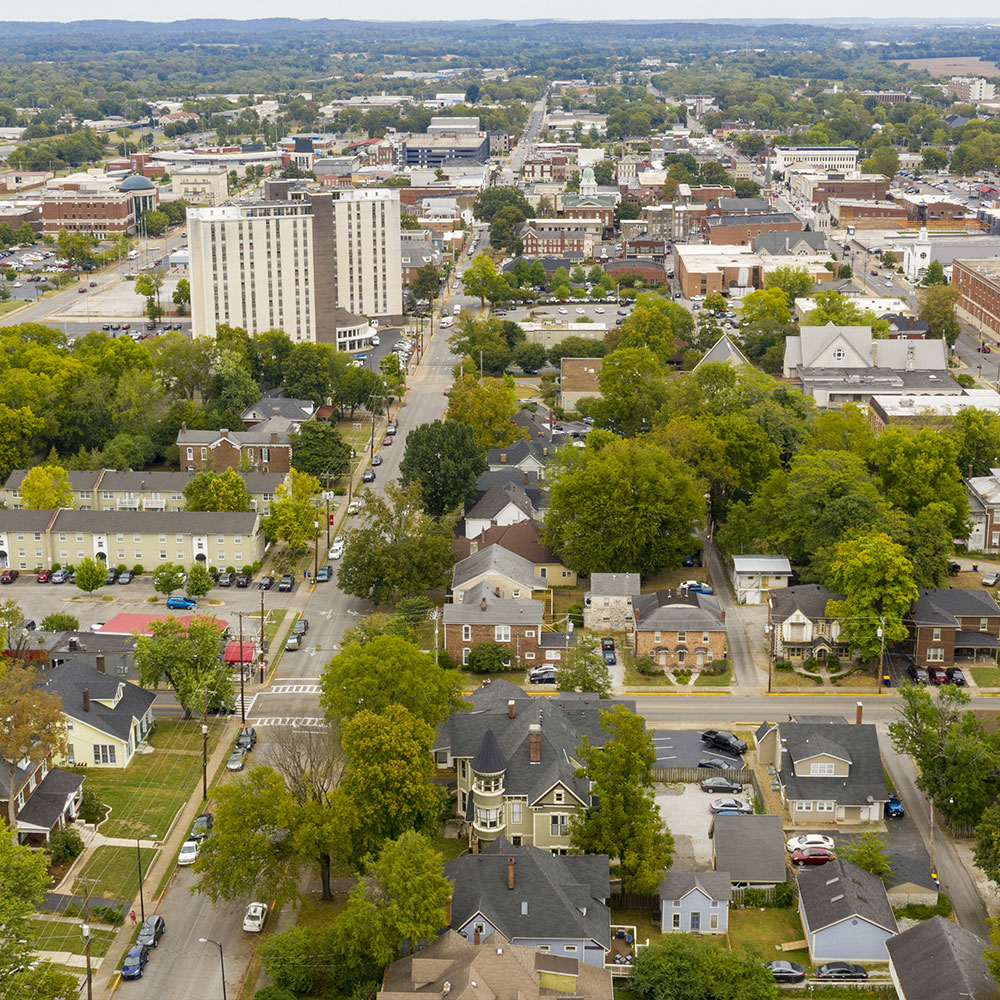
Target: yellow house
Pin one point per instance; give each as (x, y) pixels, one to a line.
(106, 717)
(523, 539)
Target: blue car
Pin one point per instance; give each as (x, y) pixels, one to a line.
(181, 603)
(894, 808)
(135, 961)
(609, 657)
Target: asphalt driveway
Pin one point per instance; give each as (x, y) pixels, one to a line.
(684, 748)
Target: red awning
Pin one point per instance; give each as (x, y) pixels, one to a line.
(233, 652)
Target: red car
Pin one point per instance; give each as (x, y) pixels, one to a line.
(44, 575)
(812, 856)
(387, 442)
(938, 675)
(8, 576)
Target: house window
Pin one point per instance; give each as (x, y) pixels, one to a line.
(937, 635)
(656, 637)
(680, 655)
(466, 633)
(465, 656)
(104, 754)
(461, 768)
(713, 922)
(529, 656)
(558, 824)
(820, 768)
(797, 630)
(204, 454)
(502, 633)
(825, 807)
(984, 624)
(569, 948)
(530, 633)
(805, 807)
(515, 812)
(190, 455)
(935, 655)
(682, 636)
(559, 797)
(675, 922)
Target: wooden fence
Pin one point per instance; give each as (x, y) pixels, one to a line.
(634, 901)
(668, 774)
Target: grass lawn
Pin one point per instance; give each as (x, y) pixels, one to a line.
(766, 929)
(646, 929)
(315, 915)
(61, 935)
(718, 680)
(272, 622)
(10, 305)
(145, 796)
(986, 676)
(790, 679)
(634, 679)
(449, 847)
(114, 871)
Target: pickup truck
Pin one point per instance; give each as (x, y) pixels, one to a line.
(723, 740)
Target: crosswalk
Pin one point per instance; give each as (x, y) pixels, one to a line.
(293, 689)
(295, 722)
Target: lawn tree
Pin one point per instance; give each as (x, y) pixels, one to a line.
(934, 275)
(480, 278)
(795, 282)
(769, 303)
(876, 579)
(530, 357)
(11, 618)
(199, 581)
(32, 728)
(18, 428)
(168, 577)
(217, 491)
(937, 310)
(90, 574)
(234, 387)
(488, 406)
(426, 284)
(659, 324)
(868, 851)
(490, 200)
(399, 551)
(444, 457)
(389, 776)
(320, 450)
(59, 622)
(182, 295)
(584, 668)
(626, 825)
(293, 511)
(46, 487)
(490, 658)
(187, 658)
(148, 285)
(633, 390)
(389, 670)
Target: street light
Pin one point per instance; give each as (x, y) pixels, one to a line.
(222, 962)
(138, 855)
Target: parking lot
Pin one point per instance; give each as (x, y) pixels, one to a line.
(575, 312)
(685, 808)
(684, 748)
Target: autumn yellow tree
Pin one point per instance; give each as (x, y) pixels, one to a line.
(487, 405)
(46, 487)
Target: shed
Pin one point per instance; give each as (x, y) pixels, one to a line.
(754, 577)
(751, 849)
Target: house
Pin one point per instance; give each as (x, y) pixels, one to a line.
(984, 512)
(751, 849)
(695, 901)
(524, 896)
(608, 603)
(723, 351)
(457, 969)
(296, 410)
(845, 913)
(106, 717)
(528, 456)
(754, 577)
(527, 481)
(799, 626)
(801, 244)
(516, 766)
(523, 538)
(938, 960)
(481, 616)
(828, 772)
(46, 799)
(912, 878)
(679, 628)
(507, 574)
(266, 447)
(500, 505)
(948, 626)
(111, 654)
(578, 378)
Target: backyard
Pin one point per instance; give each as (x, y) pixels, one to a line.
(766, 929)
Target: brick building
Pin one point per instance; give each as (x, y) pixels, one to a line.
(557, 237)
(978, 281)
(677, 628)
(89, 203)
(866, 214)
(871, 187)
(545, 168)
(736, 230)
(266, 446)
(950, 625)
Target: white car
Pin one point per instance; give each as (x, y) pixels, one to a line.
(353, 507)
(810, 840)
(580, 310)
(599, 310)
(255, 916)
(189, 852)
(563, 310)
(336, 550)
(374, 340)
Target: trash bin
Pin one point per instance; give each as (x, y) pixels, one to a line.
(886, 680)
(975, 567)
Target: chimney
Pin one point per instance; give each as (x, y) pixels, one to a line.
(274, 437)
(510, 873)
(496, 590)
(858, 713)
(73, 643)
(511, 709)
(184, 425)
(276, 411)
(99, 663)
(473, 546)
(223, 430)
(86, 699)
(722, 615)
(535, 743)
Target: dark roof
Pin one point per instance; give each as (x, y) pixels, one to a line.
(779, 243)
(489, 757)
(497, 498)
(715, 885)
(136, 182)
(554, 897)
(752, 219)
(496, 559)
(48, 800)
(938, 960)
(522, 538)
(517, 452)
(809, 598)
(90, 642)
(69, 682)
(944, 606)
(750, 848)
(151, 522)
(671, 610)
(840, 890)
(912, 869)
(857, 744)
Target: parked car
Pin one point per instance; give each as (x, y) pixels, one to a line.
(354, 506)
(785, 972)
(730, 805)
(151, 931)
(810, 840)
(937, 675)
(235, 762)
(265, 583)
(293, 642)
(337, 549)
(9, 576)
(202, 826)
(324, 573)
(247, 738)
(841, 970)
(697, 587)
(376, 460)
(609, 657)
(178, 603)
(110, 577)
(286, 583)
(542, 675)
(189, 852)
(368, 476)
(243, 580)
(253, 919)
(716, 762)
(44, 576)
(991, 579)
(60, 576)
(387, 441)
(720, 783)
(125, 577)
(135, 959)
(607, 645)
(917, 674)
(894, 808)
(300, 627)
(812, 856)
(225, 579)
(956, 676)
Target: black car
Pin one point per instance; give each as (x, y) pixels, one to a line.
(266, 583)
(369, 476)
(300, 627)
(544, 676)
(126, 577)
(785, 972)
(247, 738)
(202, 826)
(607, 645)
(956, 676)
(111, 577)
(841, 970)
(151, 931)
(225, 580)
(717, 762)
(918, 674)
(286, 583)
(720, 783)
(243, 580)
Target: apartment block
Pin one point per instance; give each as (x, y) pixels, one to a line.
(969, 89)
(979, 284)
(201, 185)
(823, 157)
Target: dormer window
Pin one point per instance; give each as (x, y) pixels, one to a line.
(821, 767)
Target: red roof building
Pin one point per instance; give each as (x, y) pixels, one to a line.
(249, 652)
(129, 624)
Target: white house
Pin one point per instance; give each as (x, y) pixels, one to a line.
(754, 577)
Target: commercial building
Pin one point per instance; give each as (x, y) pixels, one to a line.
(738, 229)
(970, 88)
(96, 203)
(737, 270)
(201, 185)
(928, 411)
(866, 214)
(823, 157)
(978, 281)
(437, 150)
(232, 158)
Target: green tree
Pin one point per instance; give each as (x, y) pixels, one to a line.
(46, 487)
(480, 278)
(868, 852)
(530, 357)
(876, 579)
(234, 386)
(74, 248)
(884, 160)
(504, 226)
(795, 282)
(168, 577)
(148, 285)
(444, 457)
(659, 324)
(289, 958)
(90, 574)
(633, 390)
(934, 275)
(182, 295)
(585, 669)
(987, 853)
(293, 511)
(307, 372)
(487, 406)
(217, 491)
(933, 159)
(18, 428)
(155, 222)
(399, 551)
(491, 200)
(426, 284)
(59, 622)
(320, 450)
(490, 658)
(767, 304)
(976, 434)
(389, 776)
(388, 670)
(199, 581)
(187, 657)
(626, 507)
(937, 309)
(626, 825)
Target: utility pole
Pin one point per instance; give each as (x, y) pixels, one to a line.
(262, 637)
(243, 713)
(435, 614)
(204, 761)
(86, 937)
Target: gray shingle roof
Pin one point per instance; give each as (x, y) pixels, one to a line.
(25, 520)
(152, 522)
(69, 682)
(938, 960)
(750, 848)
(553, 898)
(495, 559)
(840, 890)
(292, 409)
(858, 743)
(496, 498)
(48, 800)
(669, 610)
(809, 598)
(80, 480)
(498, 610)
(517, 452)
(944, 606)
(715, 885)
(489, 757)
(614, 584)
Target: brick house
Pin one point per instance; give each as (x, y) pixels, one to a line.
(679, 628)
(950, 625)
(737, 230)
(267, 447)
(482, 616)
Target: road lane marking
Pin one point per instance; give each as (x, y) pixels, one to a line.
(293, 689)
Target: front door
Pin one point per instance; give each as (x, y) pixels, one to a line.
(696, 920)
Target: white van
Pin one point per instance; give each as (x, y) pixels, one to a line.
(457, 310)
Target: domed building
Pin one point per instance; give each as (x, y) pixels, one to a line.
(95, 202)
(144, 193)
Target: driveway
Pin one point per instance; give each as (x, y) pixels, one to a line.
(684, 748)
(685, 809)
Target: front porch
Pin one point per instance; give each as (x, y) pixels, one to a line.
(976, 648)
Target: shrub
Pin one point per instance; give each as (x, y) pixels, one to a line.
(754, 898)
(72, 910)
(138, 570)
(784, 894)
(490, 658)
(783, 665)
(56, 566)
(643, 665)
(716, 668)
(413, 609)
(833, 663)
(811, 666)
(108, 915)
(91, 807)
(274, 993)
(256, 566)
(59, 621)
(64, 845)
(920, 911)
(121, 567)
(230, 569)
(575, 614)
(682, 672)
(289, 959)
